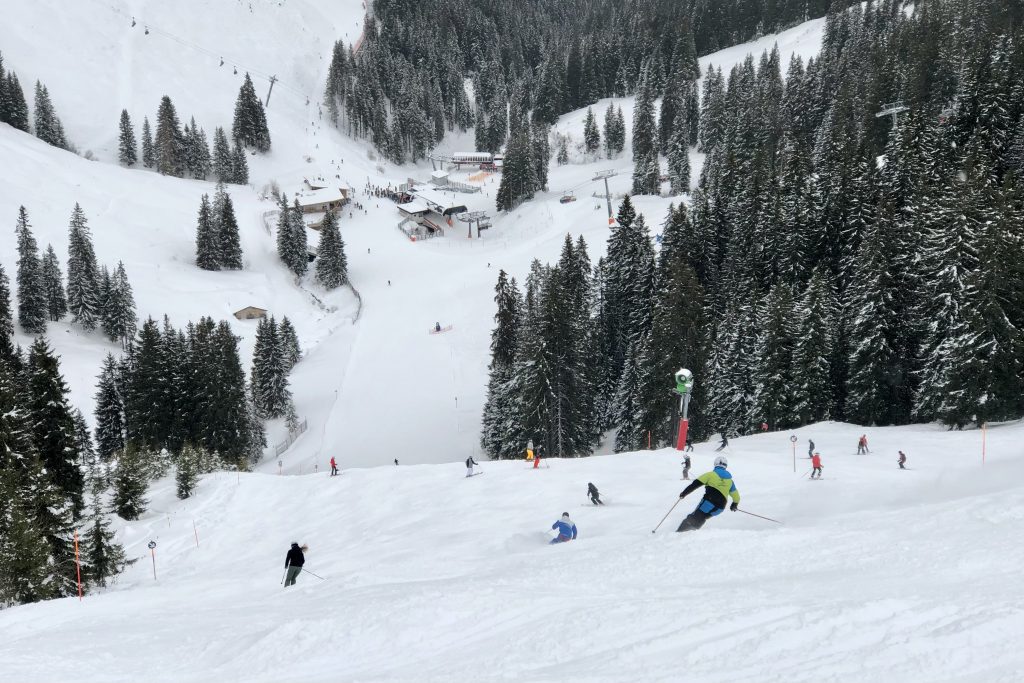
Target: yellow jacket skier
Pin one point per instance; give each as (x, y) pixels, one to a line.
(718, 484)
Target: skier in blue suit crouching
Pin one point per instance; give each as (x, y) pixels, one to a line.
(566, 530)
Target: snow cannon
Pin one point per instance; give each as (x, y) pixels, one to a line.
(684, 381)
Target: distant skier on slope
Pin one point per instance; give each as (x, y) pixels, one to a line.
(469, 466)
(293, 562)
(595, 497)
(902, 461)
(810, 447)
(566, 530)
(334, 466)
(689, 443)
(719, 484)
(862, 444)
(686, 467)
(725, 441)
(816, 465)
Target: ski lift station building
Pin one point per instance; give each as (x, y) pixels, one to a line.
(318, 195)
(445, 204)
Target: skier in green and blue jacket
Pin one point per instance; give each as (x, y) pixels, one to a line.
(718, 484)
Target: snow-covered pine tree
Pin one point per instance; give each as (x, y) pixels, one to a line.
(498, 413)
(628, 401)
(148, 153)
(186, 474)
(541, 155)
(4, 100)
(563, 150)
(712, 110)
(289, 343)
(223, 164)
(103, 557)
(255, 436)
(86, 453)
(17, 105)
(33, 513)
(6, 319)
(986, 373)
(230, 246)
(197, 151)
(48, 127)
(338, 76)
(226, 431)
(677, 339)
(518, 177)
(207, 237)
(814, 389)
(603, 333)
(298, 248)
(25, 556)
(110, 422)
(119, 322)
(31, 293)
(331, 263)
(130, 482)
(106, 286)
(284, 230)
(591, 136)
(53, 286)
(564, 319)
(610, 122)
(250, 123)
(269, 376)
(239, 166)
(53, 427)
(645, 148)
(773, 400)
(127, 147)
(679, 160)
(83, 272)
(532, 408)
(169, 143)
(144, 385)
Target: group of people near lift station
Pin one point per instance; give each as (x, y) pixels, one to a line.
(719, 489)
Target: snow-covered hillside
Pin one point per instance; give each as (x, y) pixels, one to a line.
(876, 573)
(372, 389)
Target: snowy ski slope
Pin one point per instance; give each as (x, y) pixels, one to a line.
(877, 574)
(370, 389)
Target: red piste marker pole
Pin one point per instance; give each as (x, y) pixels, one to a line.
(196, 532)
(984, 429)
(78, 567)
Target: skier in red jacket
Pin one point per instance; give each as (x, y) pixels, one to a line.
(816, 465)
(334, 466)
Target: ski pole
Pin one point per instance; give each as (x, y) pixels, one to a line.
(316, 575)
(759, 516)
(666, 515)
(806, 473)
(285, 571)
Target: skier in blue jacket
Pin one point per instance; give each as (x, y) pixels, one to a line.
(566, 529)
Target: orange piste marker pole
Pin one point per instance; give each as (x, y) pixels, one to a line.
(78, 567)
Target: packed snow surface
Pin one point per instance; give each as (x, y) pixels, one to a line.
(875, 574)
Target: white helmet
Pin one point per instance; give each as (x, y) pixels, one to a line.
(720, 461)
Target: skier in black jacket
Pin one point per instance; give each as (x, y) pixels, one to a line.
(595, 497)
(469, 466)
(293, 561)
